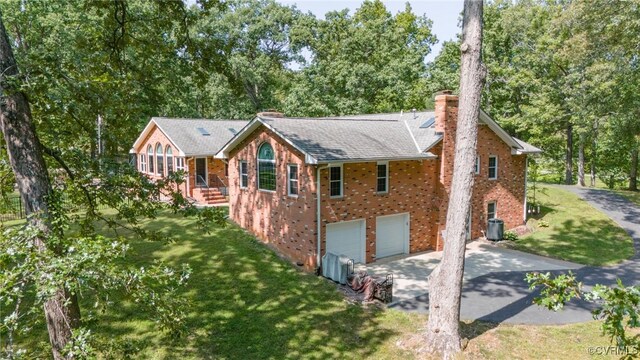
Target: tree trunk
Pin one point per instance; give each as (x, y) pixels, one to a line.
(568, 163)
(445, 283)
(25, 154)
(581, 161)
(633, 174)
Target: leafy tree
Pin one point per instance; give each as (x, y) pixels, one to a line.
(366, 63)
(58, 254)
(618, 307)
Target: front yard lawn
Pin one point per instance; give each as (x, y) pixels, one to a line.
(569, 228)
(247, 303)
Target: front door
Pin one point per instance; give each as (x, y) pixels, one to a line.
(201, 172)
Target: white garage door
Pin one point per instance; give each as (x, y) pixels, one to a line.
(392, 235)
(347, 238)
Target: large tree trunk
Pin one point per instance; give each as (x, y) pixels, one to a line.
(581, 160)
(633, 174)
(25, 154)
(568, 162)
(445, 283)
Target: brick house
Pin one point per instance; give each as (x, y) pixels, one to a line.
(166, 145)
(383, 181)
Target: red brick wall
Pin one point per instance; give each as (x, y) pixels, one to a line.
(157, 136)
(214, 167)
(413, 187)
(287, 223)
(508, 190)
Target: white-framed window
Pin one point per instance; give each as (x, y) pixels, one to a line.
(266, 168)
(179, 164)
(382, 174)
(143, 163)
(335, 181)
(292, 180)
(477, 164)
(159, 160)
(169, 154)
(492, 210)
(244, 174)
(150, 155)
(493, 167)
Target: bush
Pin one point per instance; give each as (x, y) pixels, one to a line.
(510, 235)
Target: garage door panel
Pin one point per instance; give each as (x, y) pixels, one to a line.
(347, 238)
(391, 235)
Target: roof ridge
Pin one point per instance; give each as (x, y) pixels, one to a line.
(199, 119)
(330, 118)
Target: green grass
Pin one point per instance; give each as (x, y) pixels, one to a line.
(245, 302)
(577, 232)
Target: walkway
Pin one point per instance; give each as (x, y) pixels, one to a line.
(500, 294)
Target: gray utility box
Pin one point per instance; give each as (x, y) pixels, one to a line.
(495, 229)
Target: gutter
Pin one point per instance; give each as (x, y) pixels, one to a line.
(318, 218)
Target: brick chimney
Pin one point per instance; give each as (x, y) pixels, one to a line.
(446, 110)
(271, 113)
(446, 113)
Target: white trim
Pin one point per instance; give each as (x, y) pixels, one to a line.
(297, 180)
(151, 159)
(489, 167)
(162, 156)
(485, 118)
(495, 209)
(145, 132)
(526, 171)
(240, 162)
(415, 142)
(206, 170)
(275, 169)
(386, 186)
(248, 129)
(341, 181)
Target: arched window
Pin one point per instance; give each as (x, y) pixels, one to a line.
(169, 154)
(159, 160)
(266, 168)
(150, 153)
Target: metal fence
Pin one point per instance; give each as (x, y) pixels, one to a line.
(12, 208)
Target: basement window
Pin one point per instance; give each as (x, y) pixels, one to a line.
(492, 210)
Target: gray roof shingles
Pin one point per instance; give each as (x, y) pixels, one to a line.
(185, 134)
(371, 137)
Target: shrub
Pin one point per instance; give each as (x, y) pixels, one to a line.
(510, 235)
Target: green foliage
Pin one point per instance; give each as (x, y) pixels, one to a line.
(510, 235)
(368, 62)
(618, 307)
(556, 291)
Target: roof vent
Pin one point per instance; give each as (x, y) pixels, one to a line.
(203, 131)
(429, 123)
(233, 131)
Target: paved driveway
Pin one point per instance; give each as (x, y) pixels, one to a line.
(494, 289)
(482, 258)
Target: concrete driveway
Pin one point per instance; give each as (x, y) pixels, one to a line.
(494, 289)
(482, 257)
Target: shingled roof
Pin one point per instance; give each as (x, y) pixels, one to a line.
(194, 137)
(370, 137)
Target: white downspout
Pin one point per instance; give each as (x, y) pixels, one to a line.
(318, 217)
(526, 172)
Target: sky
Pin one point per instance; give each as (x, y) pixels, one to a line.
(443, 13)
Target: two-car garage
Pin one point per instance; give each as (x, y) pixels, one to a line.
(349, 237)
